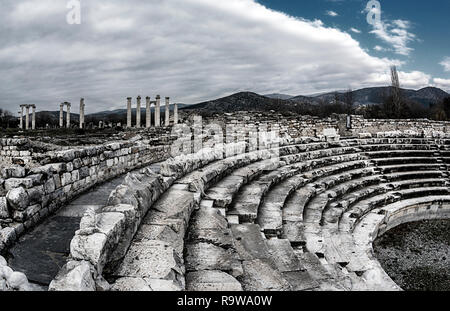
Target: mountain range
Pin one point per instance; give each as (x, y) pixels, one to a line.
(249, 101)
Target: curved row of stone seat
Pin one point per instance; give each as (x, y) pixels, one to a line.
(358, 243)
(215, 197)
(323, 238)
(163, 218)
(104, 238)
(298, 276)
(187, 190)
(203, 273)
(324, 199)
(236, 189)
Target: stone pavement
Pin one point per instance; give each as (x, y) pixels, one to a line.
(42, 252)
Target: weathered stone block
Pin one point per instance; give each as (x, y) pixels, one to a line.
(4, 212)
(217, 281)
(74, 276)
(18, 199)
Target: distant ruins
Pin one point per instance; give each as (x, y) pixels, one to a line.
(27, 117)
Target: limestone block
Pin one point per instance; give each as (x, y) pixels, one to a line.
(49, 185)
(7, 236)
(111, 225)
(4, 212)
(17, 182)
(131, 222)
(35, 194)
(260, 276)
(3, 261)
(17, 281)
(18, 199)
(163, 285)
(74, 276)
(128, 284)
(153, 260)
(66, 179)
(92, 248)
(217, 281)
(205, 256)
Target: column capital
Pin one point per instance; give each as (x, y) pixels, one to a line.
(158, 97)
(167, 97)
(139, 97)
(129, 98)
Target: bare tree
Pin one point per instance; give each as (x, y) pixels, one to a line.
(349, 100)
(396, 93)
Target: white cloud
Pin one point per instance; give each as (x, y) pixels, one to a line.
(190, 50)
(355, 30)
(379, 48)
(446, 63)
(442, 83)
(332, 13)
(396, 33)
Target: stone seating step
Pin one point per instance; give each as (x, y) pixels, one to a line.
(412, 175)
(255, 255)
(270, 214)
(356, 212)
(399, 153)
(290, 266)
(410, 167)
(210, 247)
(247, 203)
(224, 191)
(386, 147)
(403, 160)
(332, 215)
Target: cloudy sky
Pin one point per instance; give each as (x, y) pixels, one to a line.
(195, 50)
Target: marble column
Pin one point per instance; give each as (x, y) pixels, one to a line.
(175, 114)
(148, 111)
(129, 112)
(68, 115)
(167, 114)
(158, 111)
(82, 113)
(33, 117)
(138, 112)
(61, 115)
(21, 117)
(27, 117)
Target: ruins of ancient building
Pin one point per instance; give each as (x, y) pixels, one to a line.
(253, 201)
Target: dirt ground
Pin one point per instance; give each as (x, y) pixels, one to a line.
(417, 255)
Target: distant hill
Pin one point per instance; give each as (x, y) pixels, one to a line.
(248, 101)
(376, 95)
(243, 101)
(278, 96)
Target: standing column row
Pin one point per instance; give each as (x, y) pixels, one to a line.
(148, 116)
(27, 117)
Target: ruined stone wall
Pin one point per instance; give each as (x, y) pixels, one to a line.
(29, 194)
(14, 150)
(373, 126)
(294, 126)
(298, 126)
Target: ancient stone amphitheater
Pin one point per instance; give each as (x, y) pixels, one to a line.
(301, 214)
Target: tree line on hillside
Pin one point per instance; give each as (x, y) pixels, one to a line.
(407, 109)
(7, 120)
